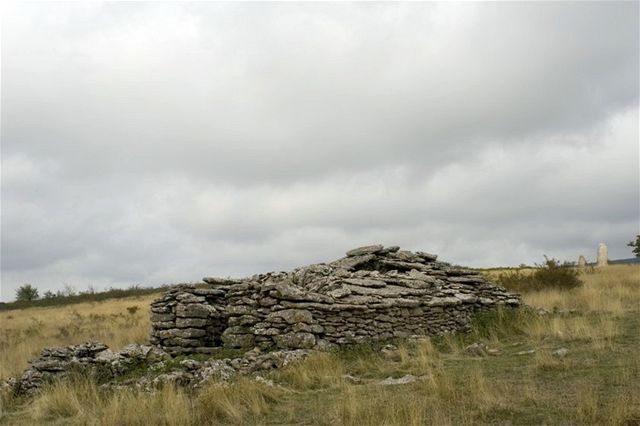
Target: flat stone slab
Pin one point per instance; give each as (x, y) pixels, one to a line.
(365, 250)
(409, 378)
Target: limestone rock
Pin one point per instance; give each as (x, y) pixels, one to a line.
(408, 378)
(603, 255)
(365, 250)
(353, 262)
(238, 340)
(560, 353)
(191, 322)
(372, 293)
(194, 310)
(391, 352)
(217, 370)
(476, 349)
(582, 262)
(292, 316)
(295, 340)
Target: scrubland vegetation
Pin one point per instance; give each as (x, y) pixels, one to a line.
(27, 296)
(521, 379)
(116, 322)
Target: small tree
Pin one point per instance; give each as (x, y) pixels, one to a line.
(26, 293)
(636, 246)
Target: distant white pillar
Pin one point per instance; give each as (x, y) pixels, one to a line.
(603, 255)
(582, 262)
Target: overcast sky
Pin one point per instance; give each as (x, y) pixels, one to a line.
(149, 143)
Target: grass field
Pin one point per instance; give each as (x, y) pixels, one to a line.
(522, 382)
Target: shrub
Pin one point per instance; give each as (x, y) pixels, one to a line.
(550, 275)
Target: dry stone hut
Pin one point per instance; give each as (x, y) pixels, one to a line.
(372, 293)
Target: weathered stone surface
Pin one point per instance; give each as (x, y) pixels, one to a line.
(560, 353)
(162, 317)
(298, 340)
(238, 340)
(339, 292)
(191, 322)
(350, 263)
(182, 342)
(603, 255)
(427, 256)
(373, 293)
(365, 250)
(408, 378)
(476, 349)
(194, 310)
(188, 333)
(366, 282)
(292, 316)
(189, 298)
(443, 301)
(582, 262)
(220, 281)
(208, 292)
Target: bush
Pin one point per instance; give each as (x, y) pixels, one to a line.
(550, 275)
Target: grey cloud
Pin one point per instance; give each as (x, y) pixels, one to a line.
(155, 142)
(338, 84)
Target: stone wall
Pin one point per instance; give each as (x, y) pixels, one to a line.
(372, 293)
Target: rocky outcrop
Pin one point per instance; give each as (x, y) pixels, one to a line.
(372, 293)
(94, 357)
(152, 367)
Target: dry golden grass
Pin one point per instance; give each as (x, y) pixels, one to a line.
(598, 382)
(319, 371)
(586, 404)
(80, 401)
(245, 399)
(614, 289)
(623, 408)
(544, 360)
(24, 332)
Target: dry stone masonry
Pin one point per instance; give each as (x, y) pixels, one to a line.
(372, 293)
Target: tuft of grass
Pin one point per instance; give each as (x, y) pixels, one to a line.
(624, 410)
(71, 399)
(319, 370)
(545, 361)
(169, 406)
(587, 401)
(237, 403)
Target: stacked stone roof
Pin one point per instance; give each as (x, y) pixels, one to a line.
(373, 292)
